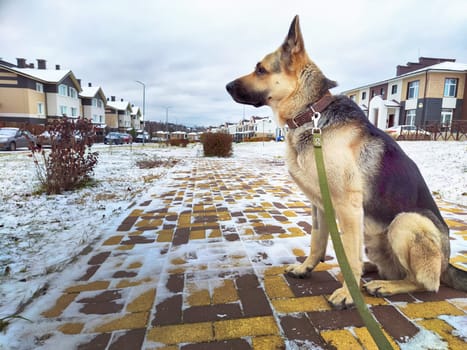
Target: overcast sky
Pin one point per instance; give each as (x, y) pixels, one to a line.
(186, 51)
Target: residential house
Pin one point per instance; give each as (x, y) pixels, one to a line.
(136, 118)
(194, 136)
(424, 93)
(36, 96)
(93, 104)
(264, 127)
(178, 135)
(118, 115)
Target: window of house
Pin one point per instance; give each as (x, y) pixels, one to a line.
(73, 93)
(381, 91)
(94, 102)
(412, 90)
(450, 87)
(394, 89)
(363, 95)
(63, 90)
(446, 118)
(40, 108)
(39, 87)
(99, 103)
(352, 97)
(63, 110)
(410, 117)
(74, 112)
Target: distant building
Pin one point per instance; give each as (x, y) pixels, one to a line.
(93, 103)
(136, 118)
(118, 115)
(430, 91)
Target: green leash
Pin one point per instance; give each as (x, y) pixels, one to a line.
(373, 327)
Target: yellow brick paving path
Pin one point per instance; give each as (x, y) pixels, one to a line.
(198, 264)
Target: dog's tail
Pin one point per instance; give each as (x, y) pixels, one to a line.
(455, 278)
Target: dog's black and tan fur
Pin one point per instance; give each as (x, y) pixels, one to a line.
(380, 198)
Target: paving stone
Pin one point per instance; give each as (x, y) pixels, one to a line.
(169, 311)
(128, 340)
(143, 302)
(71, 328)
(394, 323)
(108, 295)
(268, 342)
(175, 283)
(341, 339)
(234, 344)
(430, 309)
(303, 304)
(128, 321)
(212, 313)
(254, 302)
(443, 294)
(60, 305)
(182, 333)
(261, 230)
(137, 240)
(238, 328)
(124, 274)
(299, 327)
(99, 342)
(89, 273)
(181, 236)
(101, 308)
(248, 281)
(99, 259)
(318, 283)
(335, 319)
(127, 223)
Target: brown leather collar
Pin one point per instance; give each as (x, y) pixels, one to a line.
(307, 116)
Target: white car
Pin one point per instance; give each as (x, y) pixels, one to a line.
(408, 132)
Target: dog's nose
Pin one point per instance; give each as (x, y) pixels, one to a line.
(230, 86)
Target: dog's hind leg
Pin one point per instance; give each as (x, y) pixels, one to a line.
(416, 245)
(319, 241)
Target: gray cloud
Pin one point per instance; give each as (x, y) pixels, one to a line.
(186, 51)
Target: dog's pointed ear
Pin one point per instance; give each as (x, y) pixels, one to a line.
(293, 43)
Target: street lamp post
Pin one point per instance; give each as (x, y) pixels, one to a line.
(167, 122)
(144, 108)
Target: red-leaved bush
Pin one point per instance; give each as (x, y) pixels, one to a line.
(217, 144)
(69, 163)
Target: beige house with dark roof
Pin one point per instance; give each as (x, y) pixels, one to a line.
(35, 96)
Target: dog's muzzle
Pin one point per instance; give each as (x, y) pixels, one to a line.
(241, 95)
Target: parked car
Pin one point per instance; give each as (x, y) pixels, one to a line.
(113, 138)
(139, 138)
(408, 132)
(127, 138)
(13, 138)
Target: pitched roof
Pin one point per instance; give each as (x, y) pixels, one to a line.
(92, 91)
(53, 76)
(119, 105)
(135, 110)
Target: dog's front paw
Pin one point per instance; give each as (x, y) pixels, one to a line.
(341, 299)
(379, 288)
(297, 270)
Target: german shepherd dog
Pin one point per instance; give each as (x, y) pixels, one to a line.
(380, 198)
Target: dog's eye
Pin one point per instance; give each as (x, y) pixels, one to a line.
(260, 70)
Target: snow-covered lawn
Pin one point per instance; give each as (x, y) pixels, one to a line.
(40, 234)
